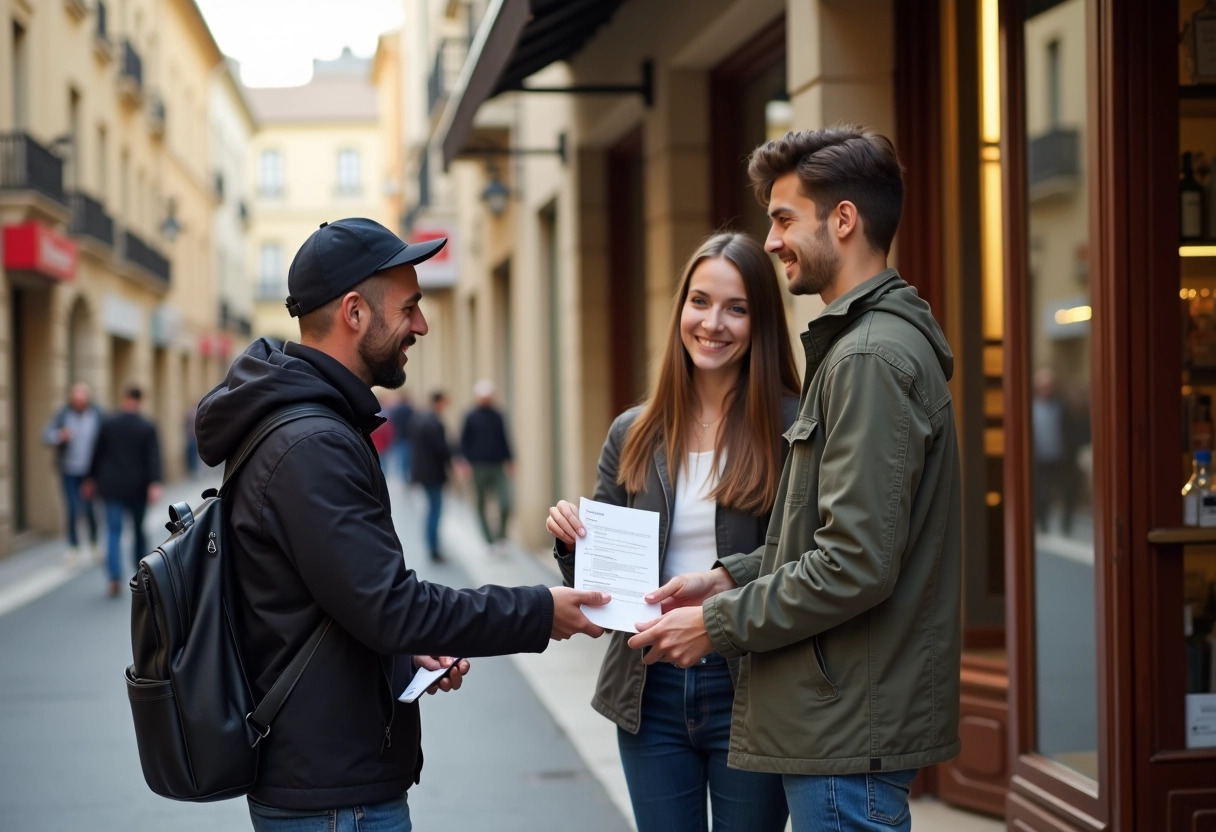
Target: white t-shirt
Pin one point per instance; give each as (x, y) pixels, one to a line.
(692, 542)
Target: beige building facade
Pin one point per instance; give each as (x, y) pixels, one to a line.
(318, 156)
(563, 298)
(106, 198)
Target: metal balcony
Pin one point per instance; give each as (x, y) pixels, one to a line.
(25, 165)
(89, 218)
(136, 251)
(131, 74)
(449, 60)
(156, 115)
(1053, 163)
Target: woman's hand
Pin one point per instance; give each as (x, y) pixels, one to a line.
(563, 523)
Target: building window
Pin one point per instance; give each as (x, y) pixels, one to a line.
(348, 171)
(270, 173)
(270, 272)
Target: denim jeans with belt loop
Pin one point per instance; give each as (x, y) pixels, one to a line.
(679, 754)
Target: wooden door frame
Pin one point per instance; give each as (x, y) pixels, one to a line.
(1038, 783)
(1134, 411)
(727, 79)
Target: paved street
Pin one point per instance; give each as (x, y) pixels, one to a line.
(495, 758)
(517, 748)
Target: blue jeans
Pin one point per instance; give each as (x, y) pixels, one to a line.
(680, 751)
(76, 505)
(403, 451)
(434, 507)
(115, 509)
(850, 802)
(389, 816)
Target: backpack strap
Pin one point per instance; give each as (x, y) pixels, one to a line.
(267, 426)
(268, 708)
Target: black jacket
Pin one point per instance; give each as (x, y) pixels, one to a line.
(432, 456)
(483, 439)
(126, 458)
(312, 534)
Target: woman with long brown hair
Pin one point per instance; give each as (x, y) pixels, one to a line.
(705, 452)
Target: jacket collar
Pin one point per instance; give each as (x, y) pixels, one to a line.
(364, 405)
(837, 315)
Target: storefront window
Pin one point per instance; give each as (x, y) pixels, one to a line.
(1061, 449)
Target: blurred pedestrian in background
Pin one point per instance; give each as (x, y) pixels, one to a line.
(383, 436)
(125, 474)
(400, 414)
(431, 465)
(72, 431)
(485, 447)
(191, 440)
(705, 452)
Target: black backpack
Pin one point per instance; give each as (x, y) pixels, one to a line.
(196, 722)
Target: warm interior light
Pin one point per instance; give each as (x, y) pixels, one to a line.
(1074, 315)
(1197, 251)
(993, 498)
(990, 57)
(993, 252)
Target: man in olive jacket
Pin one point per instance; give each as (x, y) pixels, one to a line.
(848, 618)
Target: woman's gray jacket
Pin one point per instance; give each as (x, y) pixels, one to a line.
(618, 693)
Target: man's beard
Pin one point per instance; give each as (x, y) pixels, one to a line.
(817, 267)
(382, 355)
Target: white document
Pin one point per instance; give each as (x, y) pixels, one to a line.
(422, 680)
(620, 556)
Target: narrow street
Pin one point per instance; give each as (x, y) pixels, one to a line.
(495, 757)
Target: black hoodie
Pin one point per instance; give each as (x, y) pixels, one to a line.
(311, 534)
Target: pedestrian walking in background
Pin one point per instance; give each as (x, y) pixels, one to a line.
(400, 414)
(125, 475)
(850, 614)
(72, 432)
(431, 464)
(382, 437)
(311, 540)
(485, 447)
(705, 452)
(191, 440)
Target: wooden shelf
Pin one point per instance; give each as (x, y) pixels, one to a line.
(1183, 535)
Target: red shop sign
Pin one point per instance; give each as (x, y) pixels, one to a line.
(31, 246)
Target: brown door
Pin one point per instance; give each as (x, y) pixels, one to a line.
(627, 266)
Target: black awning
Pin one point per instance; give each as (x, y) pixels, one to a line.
(517, 38)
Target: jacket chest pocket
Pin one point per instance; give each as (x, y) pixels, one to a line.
(801, 438)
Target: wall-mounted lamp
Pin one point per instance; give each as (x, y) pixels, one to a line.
(170, 227)
(495, 195)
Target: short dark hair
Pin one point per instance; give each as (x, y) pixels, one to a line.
(844, 162)
(133, 392)
(437, 396)
(318, 323)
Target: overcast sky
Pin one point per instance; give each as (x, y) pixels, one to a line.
(276, 40)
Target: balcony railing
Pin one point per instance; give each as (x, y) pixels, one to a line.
(90, 219)
(132, 69)
(449, 59)
(25, 165)
(143, 255)
(1053, 159)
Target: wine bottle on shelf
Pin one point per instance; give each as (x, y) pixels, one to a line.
(1191, 196)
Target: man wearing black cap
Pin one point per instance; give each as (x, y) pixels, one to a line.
(312, 536)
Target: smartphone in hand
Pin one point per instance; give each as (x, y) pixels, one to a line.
(423, 679)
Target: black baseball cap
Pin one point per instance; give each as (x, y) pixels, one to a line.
(342, 254)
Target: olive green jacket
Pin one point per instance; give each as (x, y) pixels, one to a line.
(848, 617)
(618, 693)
